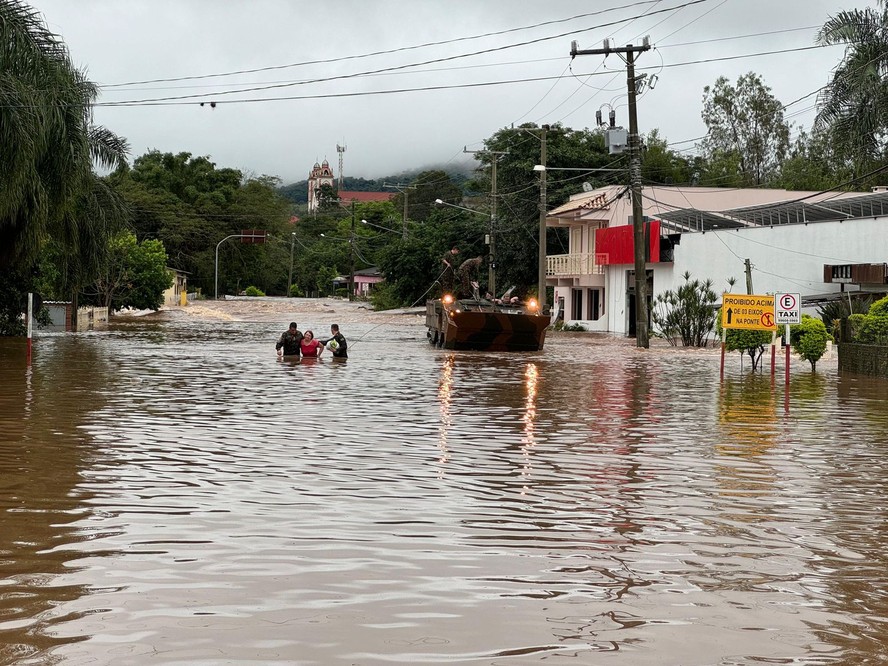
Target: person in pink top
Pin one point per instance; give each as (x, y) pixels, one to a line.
(311, 348)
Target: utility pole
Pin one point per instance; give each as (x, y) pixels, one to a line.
(290, 276)
(642, 333)
(748, 276)
(403, 189)
(351, 279)
(491, 236)
(541, 257)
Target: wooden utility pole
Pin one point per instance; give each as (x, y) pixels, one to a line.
(491, 237)
(748, 265)
(403, 189)
(541, 257)
(642, 332)
(351, 278)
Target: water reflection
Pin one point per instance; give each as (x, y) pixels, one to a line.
(44, 514)
(170, 492)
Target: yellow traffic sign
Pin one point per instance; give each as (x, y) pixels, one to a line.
(753, 312)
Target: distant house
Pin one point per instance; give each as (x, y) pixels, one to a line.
(365, 280)
(176, 294)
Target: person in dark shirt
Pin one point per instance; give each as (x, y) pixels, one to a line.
(337, 343)
(447, 276)
(290, 341)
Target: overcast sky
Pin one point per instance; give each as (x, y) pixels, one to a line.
(123, 44)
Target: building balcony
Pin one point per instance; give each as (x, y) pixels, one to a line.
(559, 265)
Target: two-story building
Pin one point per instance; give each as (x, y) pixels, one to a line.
(791, 239)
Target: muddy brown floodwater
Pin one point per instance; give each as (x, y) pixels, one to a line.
(172, 493)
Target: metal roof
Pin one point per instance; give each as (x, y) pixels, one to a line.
(800, 211)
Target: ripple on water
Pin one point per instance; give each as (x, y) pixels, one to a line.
(172, 491)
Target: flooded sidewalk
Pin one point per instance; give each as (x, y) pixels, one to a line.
(171, 492)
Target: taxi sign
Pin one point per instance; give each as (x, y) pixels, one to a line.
(754, 312)
(789, 309)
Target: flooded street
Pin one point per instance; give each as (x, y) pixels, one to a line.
(170, 492)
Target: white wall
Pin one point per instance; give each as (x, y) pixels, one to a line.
(785, 258)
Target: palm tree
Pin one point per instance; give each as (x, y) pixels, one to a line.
(48, 147)
(48, 144)
(853, 107)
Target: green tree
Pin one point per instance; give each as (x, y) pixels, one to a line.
(751, 343)
(812, 164)
(48, 145)
(46, 150)
(745, 121)
(518, 187)
(135, 275)
(328, 198)
(809, 339)
(853, 108)
(190, 205)
(660, 164)
(687, 314)
(424, 190)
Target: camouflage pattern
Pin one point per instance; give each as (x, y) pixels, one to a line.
(483, 326)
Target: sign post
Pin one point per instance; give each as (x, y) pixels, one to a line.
(752, 312)
(30, 323)
(789, 311)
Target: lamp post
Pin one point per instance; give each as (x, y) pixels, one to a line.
(290, 276)
(216, 281)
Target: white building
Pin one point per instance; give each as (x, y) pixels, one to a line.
(806, 242)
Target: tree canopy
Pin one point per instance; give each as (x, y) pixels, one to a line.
(745, 124)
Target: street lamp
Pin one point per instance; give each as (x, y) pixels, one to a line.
(290, 276)
(216, 281)
(379, 226)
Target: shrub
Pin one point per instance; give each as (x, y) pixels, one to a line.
(752, 343)
(855, 321)
(295, 291)
(873, 330)
(385, 297)
(571, 328)
(254, 291)
(879, 308)
(688, 313)
(809, 339)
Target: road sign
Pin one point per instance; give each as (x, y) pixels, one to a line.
(788, 309)
(753, 312)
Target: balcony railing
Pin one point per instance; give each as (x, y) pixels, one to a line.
(573, 264)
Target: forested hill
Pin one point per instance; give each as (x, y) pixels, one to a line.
(298, 192)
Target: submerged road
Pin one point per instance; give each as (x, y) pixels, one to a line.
(170, 492)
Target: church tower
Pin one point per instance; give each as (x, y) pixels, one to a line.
(321, 174)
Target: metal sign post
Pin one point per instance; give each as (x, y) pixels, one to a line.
(788, 310)
(30, 323)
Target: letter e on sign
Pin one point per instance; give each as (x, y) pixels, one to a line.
(788, 308)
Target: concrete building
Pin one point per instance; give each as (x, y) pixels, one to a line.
(804, 242)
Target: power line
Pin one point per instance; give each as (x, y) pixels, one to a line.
(401, 67)
(172, 100)
(384, 52)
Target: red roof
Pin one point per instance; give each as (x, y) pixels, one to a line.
(364, 197)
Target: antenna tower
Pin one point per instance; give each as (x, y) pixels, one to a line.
(341, 151)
